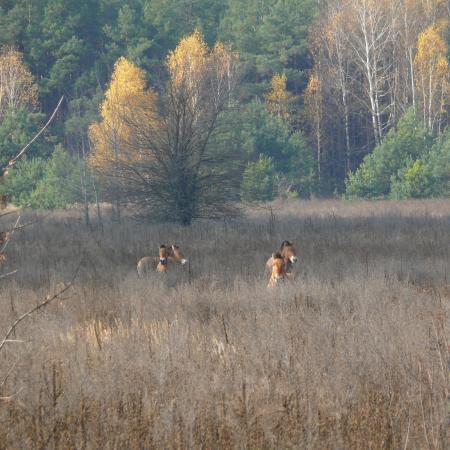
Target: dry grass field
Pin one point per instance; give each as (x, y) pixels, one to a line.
(352, 354)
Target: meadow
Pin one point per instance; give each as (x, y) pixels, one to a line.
(353, 353)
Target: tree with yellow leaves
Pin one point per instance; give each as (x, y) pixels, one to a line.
(112, 137)
(433, 73)
(279, 99)
(17, 87)
(166, 165)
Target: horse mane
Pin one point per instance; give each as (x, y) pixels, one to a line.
(277, 255)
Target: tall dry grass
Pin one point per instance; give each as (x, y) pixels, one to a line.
(353, 354)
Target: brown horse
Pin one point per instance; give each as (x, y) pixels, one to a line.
(289, 255)
(167, 255)
(278, 270)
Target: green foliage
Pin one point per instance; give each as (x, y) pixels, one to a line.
(409, 142)
(17, 128)
(267, 134)
(429, 177)
(50, 184)
(271, 37)
(22, 181)
(258, 180)
(412, 181)
(60, 183)
(439, 167)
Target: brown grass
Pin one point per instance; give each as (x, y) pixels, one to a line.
(353, 354)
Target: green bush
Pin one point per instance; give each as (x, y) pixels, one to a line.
(410, 141)
(60, 184)
(412, 181)
(267, 134)
(258, 180)
(50, 184)
(428, 177)
(22, 180)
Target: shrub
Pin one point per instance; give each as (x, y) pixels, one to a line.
(258, 180)
(412, 181)
(45, 184)
(292, 157)
(409, 142)
(22, 180)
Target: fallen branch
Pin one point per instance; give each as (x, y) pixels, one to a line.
(46, 302)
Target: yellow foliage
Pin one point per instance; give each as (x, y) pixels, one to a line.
(433, 70)
(313, 87)
(187, 62)
(313, 100)
(123, 100)
(17, 86)
(279, 99)
(192, 63)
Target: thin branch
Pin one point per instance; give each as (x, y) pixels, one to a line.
(8, 213)
(40, 306)
(20, 154)
(10, 397)
(28, 224)
(10, 232)
(5, 379)
(8, 274)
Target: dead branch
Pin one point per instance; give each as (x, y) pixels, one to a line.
(25, 225)
(41, 305)
(8, 274)
(9, 235)
(8, 213)
(20, 154)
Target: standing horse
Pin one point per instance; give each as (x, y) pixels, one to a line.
(167, 255)
(289, 256)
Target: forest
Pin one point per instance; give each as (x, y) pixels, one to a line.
(274, 98)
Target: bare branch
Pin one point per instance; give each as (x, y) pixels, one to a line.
(8, 274)
(21, 153)
(9, 234)
(41, 305)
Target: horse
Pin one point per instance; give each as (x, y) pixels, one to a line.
(167, 254)
(289, 256)
(278, 270)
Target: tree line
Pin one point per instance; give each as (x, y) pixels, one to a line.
(280, 98)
